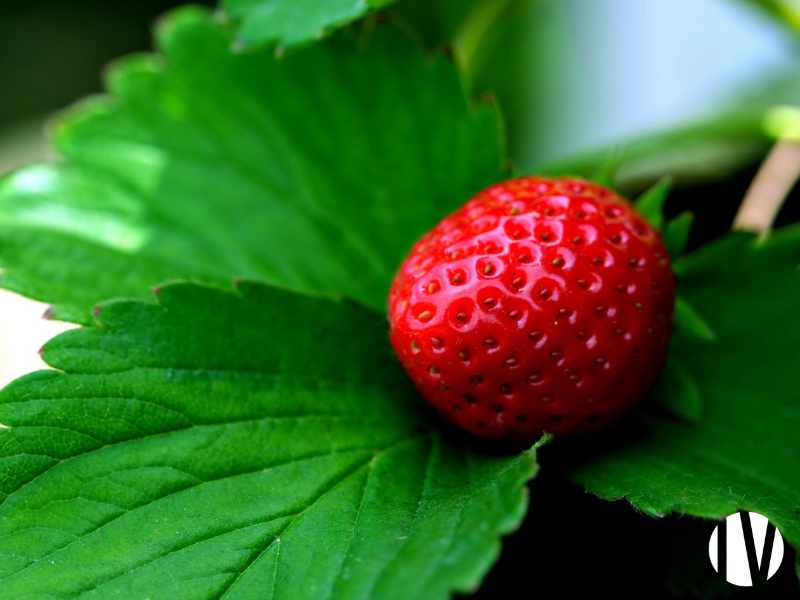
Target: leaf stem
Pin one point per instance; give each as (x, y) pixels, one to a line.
(775, 179)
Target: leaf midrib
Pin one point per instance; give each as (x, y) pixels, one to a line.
(60, 461)
(375, 454)
(370, 462)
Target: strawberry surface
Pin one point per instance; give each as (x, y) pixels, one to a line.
(540, 305)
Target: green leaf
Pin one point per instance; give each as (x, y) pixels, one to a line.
(250, 444)
(651, 203)
(676, 234)
(677, 391)
(689, 322)
(606, 174)
(745, 451)
(293, 22)
(316, 172)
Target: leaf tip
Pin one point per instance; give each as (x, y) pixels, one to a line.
(606, 173)
(544, 440)
(651, 203)
(658, 513)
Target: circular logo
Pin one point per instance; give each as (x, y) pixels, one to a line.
(746, 549)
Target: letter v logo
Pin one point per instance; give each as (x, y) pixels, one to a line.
(746, 549)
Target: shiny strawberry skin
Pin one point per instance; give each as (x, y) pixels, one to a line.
(540, 305)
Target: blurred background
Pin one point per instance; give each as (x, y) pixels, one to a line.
(614, 69)
(573, 76)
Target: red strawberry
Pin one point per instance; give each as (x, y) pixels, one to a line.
(540, 305)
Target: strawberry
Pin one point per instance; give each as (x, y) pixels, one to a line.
(540, 305)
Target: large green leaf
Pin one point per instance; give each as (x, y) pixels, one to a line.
(316, 172)
(256, 444)
(744, 452)
(292, 22)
